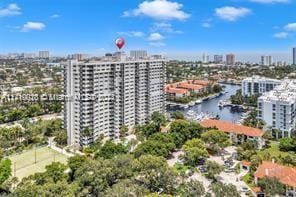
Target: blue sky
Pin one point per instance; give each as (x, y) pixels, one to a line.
(172, 27)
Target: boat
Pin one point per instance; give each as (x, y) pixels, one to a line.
(198, 101)
(190, 113)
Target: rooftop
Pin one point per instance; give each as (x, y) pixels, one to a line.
(245, 163)
(261, 79)
(285, 92)
(173, 90)
(285, 174)
(229, 127)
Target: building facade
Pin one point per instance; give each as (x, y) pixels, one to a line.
(266, 60)
(111, 94)
(230, 59)
(44, 54)
(218, 59)
(277, 109)
(258, 85)
(138, 54)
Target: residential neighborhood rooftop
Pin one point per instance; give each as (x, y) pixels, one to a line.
(285, 174)
(232, 128)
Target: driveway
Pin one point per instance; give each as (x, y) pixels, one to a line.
(199, 177)
(175, 157)
(233, 178)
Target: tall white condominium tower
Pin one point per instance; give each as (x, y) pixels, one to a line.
(277, 109)
(128, 93)
(138, 54)
(294, 55)
(257, 85)
(266, 60)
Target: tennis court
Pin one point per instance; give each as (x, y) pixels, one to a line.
(34, 160)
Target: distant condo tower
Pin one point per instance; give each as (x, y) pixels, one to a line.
(126, 92)
(44, 54)
(138, 54)
(230, 59)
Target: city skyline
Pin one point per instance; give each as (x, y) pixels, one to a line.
(216, 27)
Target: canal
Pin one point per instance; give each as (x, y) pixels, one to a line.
(211, 106)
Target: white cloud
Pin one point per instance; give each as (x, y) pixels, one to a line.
(281, 35)
(270, 1)
(157, 44)
(33, 26)
(132, 33)
(206, 25)
(229, 13)
(290, 27)
(165, 28)
(155, 37)
(55, 16)
(160, 10)
(11, 10)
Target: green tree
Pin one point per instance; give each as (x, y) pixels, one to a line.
(126, 188)
(191, 189)
(123, 131)
(5, 170)
(74, 163)
(155, 174)
(61, 137)
(56, 171)
(178, 115)
(110, 149)
(159, 119)
(94, 177)
(213, 169)
(271, 186)
(179, 130)
(223, 190)
(216, 139)
(287, 144)
(194, 150)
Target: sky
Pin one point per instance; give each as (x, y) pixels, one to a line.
(176, 28)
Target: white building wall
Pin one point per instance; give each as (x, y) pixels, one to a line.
(128, 93)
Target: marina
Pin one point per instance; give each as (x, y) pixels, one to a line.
(210, 107)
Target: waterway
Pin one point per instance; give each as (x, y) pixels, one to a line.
(211, 106)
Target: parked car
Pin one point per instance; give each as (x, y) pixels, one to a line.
(244, 189)
(228, 170)
(203, 169)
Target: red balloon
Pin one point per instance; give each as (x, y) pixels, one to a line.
(120, 42)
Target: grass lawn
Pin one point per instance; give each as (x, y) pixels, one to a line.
(248, 180)
(273, 151)
(24, 164)
(181, 168)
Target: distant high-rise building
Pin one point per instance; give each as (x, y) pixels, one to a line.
(44, 54)
(138, 54)
(77, 56)
(266, 60)
(230, 59)
(205, 58)
(125, 92)
(294, 55)
(218, 59)
(257, 85)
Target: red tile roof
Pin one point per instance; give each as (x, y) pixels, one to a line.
(245, 163)
(256, 189)
(186, 85)
(285, 174)
(232, 128)
(176, 90)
